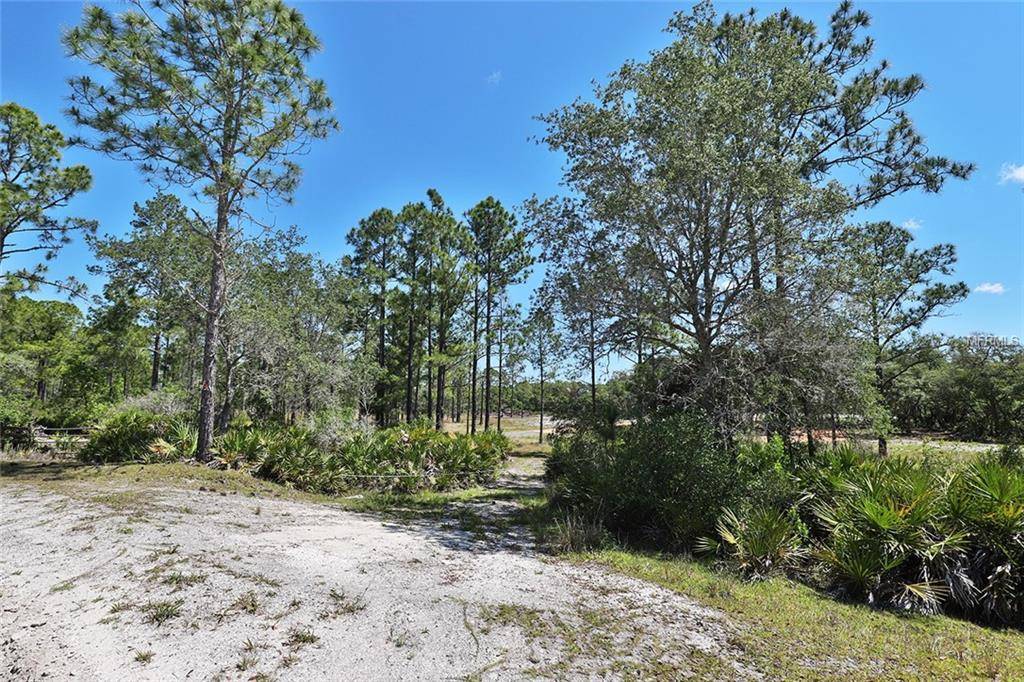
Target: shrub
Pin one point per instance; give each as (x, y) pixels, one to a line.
(912, 535)
(164, 403)
(575, 532)
(16, 424)
(762, 542)
(180, 441)
(985, 504)
(662, 481)
(400, 459)
(124, 437)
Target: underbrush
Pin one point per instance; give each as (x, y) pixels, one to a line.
(907, 534)
(401, 459)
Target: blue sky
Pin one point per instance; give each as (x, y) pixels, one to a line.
(444, 94)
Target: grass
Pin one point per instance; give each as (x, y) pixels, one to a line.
(159, 612)
(299, 637)
(946, 451)
(342, 604)
(143, 657)
(798, 633)
(248, 603)
(180, 580)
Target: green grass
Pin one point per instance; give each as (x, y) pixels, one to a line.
(798, 633)
(945, 451)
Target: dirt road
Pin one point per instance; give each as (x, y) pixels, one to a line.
(106, 581)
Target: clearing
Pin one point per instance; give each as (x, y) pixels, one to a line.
(166, 572)
(169, 572)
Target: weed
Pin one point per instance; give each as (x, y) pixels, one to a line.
(180, 580)
(159, 612)
(63, 586)
(342, 604)
(299, 637)
(119, 606)
(261, 579)
(143, 657)
(246, 663)
(248, 602)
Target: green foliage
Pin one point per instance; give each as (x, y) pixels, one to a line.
(908, 534)
(765, 540)
(35, 187)
(664, 480)
(403, 459)
(882, 537)
(399, 459)
(15, 424)
(124, 437)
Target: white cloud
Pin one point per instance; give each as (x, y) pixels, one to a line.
(494, 78)
(911, 224)
(990, 288)
(1011, 172)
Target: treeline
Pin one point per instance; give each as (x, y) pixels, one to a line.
(415, 323)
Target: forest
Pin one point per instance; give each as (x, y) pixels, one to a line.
(710, 348)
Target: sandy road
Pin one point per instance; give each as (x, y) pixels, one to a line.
(99, 582)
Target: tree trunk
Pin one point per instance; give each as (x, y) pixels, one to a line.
(225, 409)
(154, 377)
(501, 380)
(541, 440)
(41, 382)
(834, 429)
(214, 305)
(593, 367)
(441, 370)
(476, 334)
(408, 362)
(487, 356)
(382, 359)
(809, 428)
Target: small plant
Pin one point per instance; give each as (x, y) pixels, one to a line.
(299, 637)
(159, 612)
(576, 532)
(143, 657)
(248, 602)
(124, 437)
(342, 604)
(119, 606)
(180, 580)
(762, 542)
(246, 663)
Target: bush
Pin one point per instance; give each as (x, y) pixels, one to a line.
(916, 536)
(406, 459)
(762, 542)
(125, 437)
(400, 459)
(16, 424)
(663, 481)
(163, 403)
